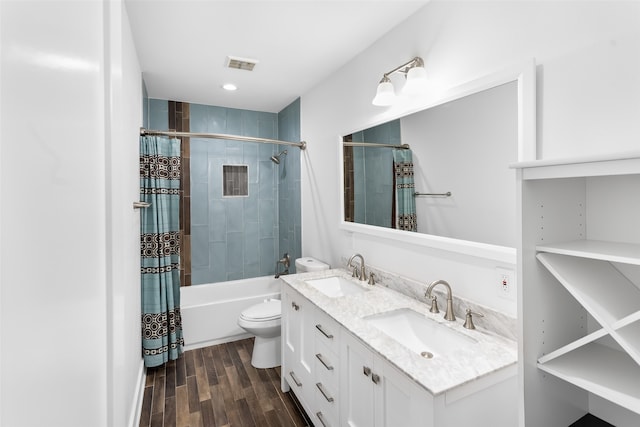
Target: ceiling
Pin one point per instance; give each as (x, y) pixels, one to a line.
(183, 45)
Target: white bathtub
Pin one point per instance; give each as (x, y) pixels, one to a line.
(210, 312)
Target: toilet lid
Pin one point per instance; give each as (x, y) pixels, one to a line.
(267, 310)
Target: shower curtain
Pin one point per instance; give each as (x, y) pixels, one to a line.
(160, 249)
(404, 189)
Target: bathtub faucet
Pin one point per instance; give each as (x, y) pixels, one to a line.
(286, 261)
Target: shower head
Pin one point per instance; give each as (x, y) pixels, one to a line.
(276, 159)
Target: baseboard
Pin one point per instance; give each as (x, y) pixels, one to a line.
(136, 410)
(208, 343)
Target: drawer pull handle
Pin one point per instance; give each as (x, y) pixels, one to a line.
(375, 378)
(321, 418)
(326, 364)
(295, 379)
(295, 306)
(366, 371)
(325, 333)
(324, 392)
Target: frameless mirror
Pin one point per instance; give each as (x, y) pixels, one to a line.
(459, 154)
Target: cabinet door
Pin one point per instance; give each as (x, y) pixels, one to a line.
(398, 400)
(297, 344)
(356, 387)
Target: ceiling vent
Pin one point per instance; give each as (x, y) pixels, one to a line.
(241, 63)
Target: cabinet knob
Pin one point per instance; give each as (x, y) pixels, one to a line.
(375, 378)
(366, 371)
(295, 306)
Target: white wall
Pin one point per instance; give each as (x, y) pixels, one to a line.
(70, 100)
(588, 96)
(123, 222)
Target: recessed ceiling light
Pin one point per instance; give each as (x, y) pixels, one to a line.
(229, 86)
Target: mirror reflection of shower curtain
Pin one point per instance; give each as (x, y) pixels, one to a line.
(349, 193)
(160, 249)
(404, 215)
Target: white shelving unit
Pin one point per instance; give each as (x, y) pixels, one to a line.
(579, 266)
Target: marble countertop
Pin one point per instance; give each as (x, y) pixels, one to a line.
(439, 374)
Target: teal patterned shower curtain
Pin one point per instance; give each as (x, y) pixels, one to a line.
(404, 189)
(160, 249)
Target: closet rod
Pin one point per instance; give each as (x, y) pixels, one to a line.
(372, 144)
(143, 132)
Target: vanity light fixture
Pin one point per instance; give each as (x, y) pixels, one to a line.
(416, 82)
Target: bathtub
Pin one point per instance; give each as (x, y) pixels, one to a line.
(210, 312)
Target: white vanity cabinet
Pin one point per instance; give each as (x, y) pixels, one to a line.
(310, 342)
(341, 380)
(297, 345)
(323, 365)
(580, 298)
(375, 394)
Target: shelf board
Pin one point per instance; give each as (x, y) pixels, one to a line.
(572, 346)
(629, 338)
(627, 253)
(597, 285)
(608, 373)
(620, 164)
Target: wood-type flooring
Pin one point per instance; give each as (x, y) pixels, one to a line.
(217, 386)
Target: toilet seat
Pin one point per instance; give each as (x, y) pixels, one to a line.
(263, 312)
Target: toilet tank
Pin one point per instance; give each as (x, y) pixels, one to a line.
(308, 264)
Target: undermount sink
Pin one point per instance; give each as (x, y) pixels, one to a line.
(335, 286)
(419, 333)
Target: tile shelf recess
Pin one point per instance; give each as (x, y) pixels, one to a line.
(584, 268)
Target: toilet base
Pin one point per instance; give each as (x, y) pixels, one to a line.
(266, 352)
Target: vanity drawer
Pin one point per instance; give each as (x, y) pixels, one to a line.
(327, 365)
(327, 331)
(326, 405)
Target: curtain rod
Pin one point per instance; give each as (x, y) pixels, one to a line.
(372, 144)
(143, 132)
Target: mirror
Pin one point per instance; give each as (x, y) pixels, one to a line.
(461, 148)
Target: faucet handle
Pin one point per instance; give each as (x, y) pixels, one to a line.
(434, 305)
(468, 322)
(372, 280)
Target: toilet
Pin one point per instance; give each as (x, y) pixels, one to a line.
(264, 321)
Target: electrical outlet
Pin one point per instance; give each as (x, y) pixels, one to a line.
(505, 283)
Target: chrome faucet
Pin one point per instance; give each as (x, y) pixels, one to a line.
(448, 314)
(363, 274)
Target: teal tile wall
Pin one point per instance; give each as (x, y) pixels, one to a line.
(289, 199)
(232, 237)
(373, 174)
(238, 238)
(145, 106)
(158, 114)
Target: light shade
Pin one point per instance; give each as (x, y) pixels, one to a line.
(416, 81)
(385, 95)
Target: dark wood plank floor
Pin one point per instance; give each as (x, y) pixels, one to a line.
(217, 386)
